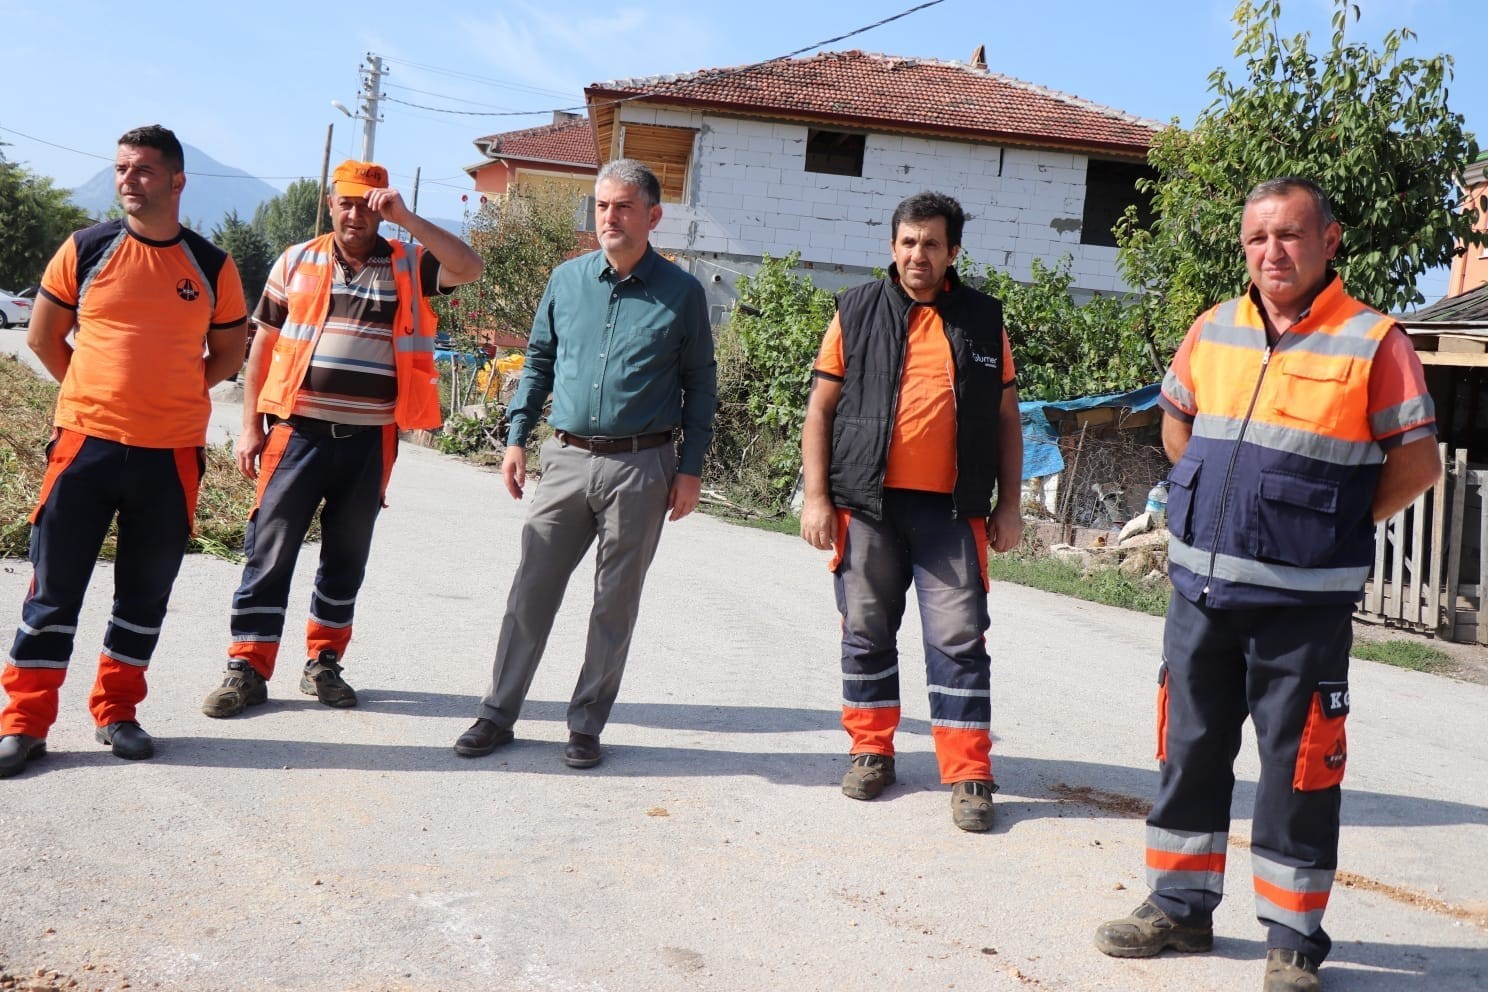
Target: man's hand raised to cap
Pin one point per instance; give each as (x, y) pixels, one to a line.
(389, 205)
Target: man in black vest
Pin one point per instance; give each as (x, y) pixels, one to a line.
(911, 427)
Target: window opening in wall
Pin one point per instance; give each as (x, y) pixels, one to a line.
(667, 151)
(1110, 187)
(834, 153)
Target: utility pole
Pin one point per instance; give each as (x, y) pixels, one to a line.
(371, 93)
(325, 172)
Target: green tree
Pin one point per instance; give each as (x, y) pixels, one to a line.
(250, 250)
(521, 237)
(1371, 127)
(289, 218)
(1064, 349)
(35, 217)
(765, 356)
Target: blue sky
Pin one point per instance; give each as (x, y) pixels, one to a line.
(251, 84)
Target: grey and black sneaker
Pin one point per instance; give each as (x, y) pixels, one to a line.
(322, 679)
(241, 688)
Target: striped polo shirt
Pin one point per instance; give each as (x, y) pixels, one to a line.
(351, 378)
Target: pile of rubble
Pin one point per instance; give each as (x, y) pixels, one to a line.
(1139, 551)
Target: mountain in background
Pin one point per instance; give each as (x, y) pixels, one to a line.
(213, 190)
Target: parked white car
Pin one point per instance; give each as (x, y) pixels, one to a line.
(14, 310)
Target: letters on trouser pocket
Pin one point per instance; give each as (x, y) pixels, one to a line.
(1323, 752)
(1162, 713)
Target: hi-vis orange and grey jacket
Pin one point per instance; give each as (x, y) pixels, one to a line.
(1271, 503)
(309, 268)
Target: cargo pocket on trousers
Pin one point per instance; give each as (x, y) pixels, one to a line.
(1162, 713)
(1323, 753)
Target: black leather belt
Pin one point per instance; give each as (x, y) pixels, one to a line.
(613, 445)
(325, 428)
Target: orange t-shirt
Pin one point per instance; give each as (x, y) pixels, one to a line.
(144, 309)
(922, 448)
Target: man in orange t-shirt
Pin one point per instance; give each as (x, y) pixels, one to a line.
(911, 428)
(137, 318)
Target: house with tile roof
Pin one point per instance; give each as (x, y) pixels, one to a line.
(559, 154)
(812, 155)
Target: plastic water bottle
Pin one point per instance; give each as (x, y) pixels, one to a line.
(1157, 503)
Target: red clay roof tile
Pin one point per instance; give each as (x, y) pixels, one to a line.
(567, 143)
(871, 90)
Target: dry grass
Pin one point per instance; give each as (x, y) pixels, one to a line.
(26, 402)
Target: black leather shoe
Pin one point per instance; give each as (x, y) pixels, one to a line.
(483, 737)
(582, 751)
(128, 739)
(18, 749)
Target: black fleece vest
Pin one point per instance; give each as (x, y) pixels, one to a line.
(875, 326)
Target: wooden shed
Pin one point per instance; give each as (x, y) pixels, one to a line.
(1431, 560)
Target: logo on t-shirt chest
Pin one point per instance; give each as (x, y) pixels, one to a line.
(187, 290)
(990, 361)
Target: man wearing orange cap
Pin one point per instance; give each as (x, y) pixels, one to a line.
(343, 360)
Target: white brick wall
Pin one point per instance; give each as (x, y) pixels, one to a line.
(750, 193)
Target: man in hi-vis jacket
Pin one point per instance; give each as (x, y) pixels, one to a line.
(1296, 418)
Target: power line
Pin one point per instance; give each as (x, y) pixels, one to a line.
(444, 96)
(106, 158)
(487, 80)
(710, 74)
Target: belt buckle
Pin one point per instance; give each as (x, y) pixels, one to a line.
(337, 428)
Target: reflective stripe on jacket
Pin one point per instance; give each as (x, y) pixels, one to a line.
(1271, 503)
(308, 272)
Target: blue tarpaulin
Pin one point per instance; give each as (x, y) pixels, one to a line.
(1041, 455)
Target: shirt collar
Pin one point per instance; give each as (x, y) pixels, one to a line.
(951, 284)
(641, 272)
(381, 251)
(1324, 297)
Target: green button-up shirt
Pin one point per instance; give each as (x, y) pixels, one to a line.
(621, 357)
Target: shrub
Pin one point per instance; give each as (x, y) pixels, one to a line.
(223, 501)
(765, 356)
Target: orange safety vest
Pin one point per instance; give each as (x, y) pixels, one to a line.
(308, 271)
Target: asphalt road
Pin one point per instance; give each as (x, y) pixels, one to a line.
(309, 849)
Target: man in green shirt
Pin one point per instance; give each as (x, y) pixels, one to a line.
(622, 343)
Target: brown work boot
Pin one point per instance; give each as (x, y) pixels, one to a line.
(1148, 931)
(971, 804)
(241, 687)
(868, 777)
(322, 679)
(1290, 971)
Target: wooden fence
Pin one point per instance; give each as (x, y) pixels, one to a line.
(1430, 559)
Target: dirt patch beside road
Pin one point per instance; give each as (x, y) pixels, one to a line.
(1469, 662)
